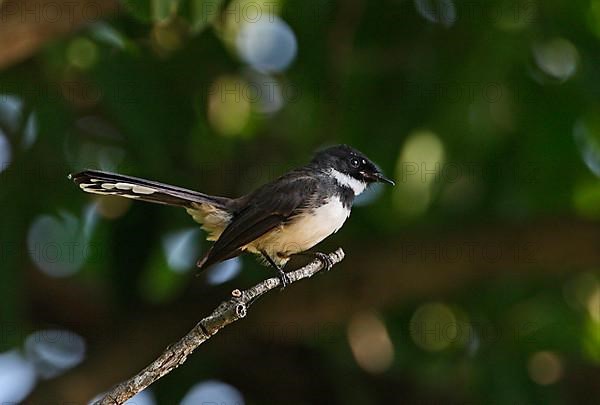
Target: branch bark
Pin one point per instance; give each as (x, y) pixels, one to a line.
(227, 312)
(411, 266)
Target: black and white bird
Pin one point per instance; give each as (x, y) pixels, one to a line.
(284, 217)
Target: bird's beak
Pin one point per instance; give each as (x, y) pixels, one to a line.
(382, 179)
(379, 177)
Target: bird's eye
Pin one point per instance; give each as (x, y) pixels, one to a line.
(354, 162)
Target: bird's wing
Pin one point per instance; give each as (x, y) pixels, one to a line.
(267, 208)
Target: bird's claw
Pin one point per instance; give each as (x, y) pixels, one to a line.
(325, 260)
(284, 280)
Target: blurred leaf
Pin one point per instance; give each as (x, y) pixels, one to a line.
(203, 13)
(163, 10)
(141, 10)
(586, 200)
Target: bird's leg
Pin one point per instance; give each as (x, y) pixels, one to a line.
(283, 278)
(323, 258)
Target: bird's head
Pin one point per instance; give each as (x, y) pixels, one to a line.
(350, 166)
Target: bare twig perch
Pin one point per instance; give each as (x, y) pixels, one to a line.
(227, 312)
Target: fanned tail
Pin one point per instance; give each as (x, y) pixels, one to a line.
(105, 183)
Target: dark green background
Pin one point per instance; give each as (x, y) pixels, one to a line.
(507, 245)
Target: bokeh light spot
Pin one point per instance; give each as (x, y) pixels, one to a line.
(57, 246)
(229, 105)
(557, 58)
(370, 342)
(545, 368)
(586, 133)
(54, 351)
(17, 377)
(182, 249)
(112, 207)
(82, 53)
(264, 92)
(10, 111)
(11, 121)
(105, 33)
(167, 37)
(30, 131)
(591, 340)
(434, 327)
(268, 45)
(223, 272)
(5, 152)
(417, 172)
(437, 11)
(593, 305)
(213, 392)
(579, 291)
(586, 200)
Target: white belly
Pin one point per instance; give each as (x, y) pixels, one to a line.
(303, 232)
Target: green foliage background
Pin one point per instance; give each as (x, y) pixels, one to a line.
(517, 143)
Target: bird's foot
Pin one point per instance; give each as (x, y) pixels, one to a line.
(325, 260)
(283, 278)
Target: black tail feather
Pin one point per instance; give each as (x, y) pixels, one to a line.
(105, 183)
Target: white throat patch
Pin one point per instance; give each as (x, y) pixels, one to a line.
(344, 180)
